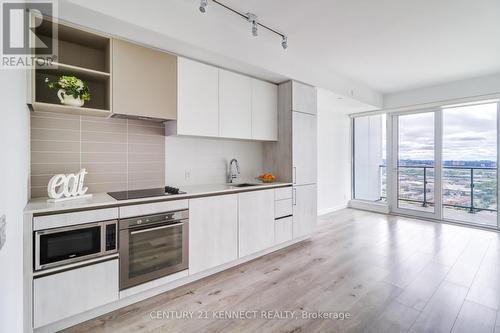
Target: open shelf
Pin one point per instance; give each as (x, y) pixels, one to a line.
(77, 47)
(59, 108)
(81, 53)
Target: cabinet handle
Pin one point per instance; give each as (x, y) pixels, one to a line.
(294, 195)
(157, 228)
(294, 175)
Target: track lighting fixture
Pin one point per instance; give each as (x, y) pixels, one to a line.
(203, 6)
(250, 17)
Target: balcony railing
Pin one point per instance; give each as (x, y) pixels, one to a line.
(471, 207)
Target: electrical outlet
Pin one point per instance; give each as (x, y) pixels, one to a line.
(3, 231)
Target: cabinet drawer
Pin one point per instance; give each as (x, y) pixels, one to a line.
(283, 229)
(65, 294)
(283, 208)
(67, 219)
(283, 193)
(153, 208)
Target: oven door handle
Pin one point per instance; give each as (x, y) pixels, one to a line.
(157, 228)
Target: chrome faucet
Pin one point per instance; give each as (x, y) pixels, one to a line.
(233, 172)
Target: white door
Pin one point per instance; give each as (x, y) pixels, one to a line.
(264, 110)
(235, 113)
(305, 210)
(213, 231)
(198, 98)
(416, 166)
(256, 221)
(304, 151)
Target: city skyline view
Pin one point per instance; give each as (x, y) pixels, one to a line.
(469, 134)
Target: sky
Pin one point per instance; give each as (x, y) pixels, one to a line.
(469, 134)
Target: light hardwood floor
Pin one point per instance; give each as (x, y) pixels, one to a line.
(392, 274)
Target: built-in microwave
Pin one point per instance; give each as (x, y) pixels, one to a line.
(61, 246)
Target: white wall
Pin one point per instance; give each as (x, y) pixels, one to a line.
(334, 150)
(14, 173)
(206, 160)
(334, 164)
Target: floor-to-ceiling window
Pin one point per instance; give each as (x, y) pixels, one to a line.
(470, 164)
(370, 167)
(442, 163)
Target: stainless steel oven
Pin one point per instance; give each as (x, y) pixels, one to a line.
(152, 247)
(61, 246)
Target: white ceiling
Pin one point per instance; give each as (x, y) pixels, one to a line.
(356, 48)
(331, 102)
(391, 45)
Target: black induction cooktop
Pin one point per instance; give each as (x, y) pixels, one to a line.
(146, 193)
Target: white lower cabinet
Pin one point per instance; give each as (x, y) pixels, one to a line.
(304, 210)
(65, 294)
(283, 230)
(256, 221)
(213, 231)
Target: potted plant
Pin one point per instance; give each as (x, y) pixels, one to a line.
(72, 91)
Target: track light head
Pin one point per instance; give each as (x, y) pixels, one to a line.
(203, 5)
(284, 42)
(255, 30)
(252, 18)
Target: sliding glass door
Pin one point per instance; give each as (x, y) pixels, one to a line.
(416, 167)
(444, 163)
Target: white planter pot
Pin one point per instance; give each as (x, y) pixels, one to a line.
(69, 99)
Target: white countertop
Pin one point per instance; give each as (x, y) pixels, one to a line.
(103, 200)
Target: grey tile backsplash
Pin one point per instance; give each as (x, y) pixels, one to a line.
(118, 154)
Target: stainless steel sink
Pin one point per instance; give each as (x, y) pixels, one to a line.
(242, 185)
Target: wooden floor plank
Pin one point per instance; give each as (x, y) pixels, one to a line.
(441, 311)
(420, 291)
(475, 318)
(396, 317)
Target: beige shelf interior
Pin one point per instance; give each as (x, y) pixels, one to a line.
(83, 54)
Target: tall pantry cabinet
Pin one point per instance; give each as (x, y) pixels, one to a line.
(294, 157)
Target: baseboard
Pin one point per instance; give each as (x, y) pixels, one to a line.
(331, 209)
(369, 206)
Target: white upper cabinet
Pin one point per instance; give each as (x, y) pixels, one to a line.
(198, 99)
(304, 148)
(235, 105)
(215, 102)
(304, 98)
(264, 111)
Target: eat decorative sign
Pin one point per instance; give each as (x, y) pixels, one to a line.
(66, 187)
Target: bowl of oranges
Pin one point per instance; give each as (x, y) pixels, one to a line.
(267, 178)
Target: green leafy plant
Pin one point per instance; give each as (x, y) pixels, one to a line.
(72, 86)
